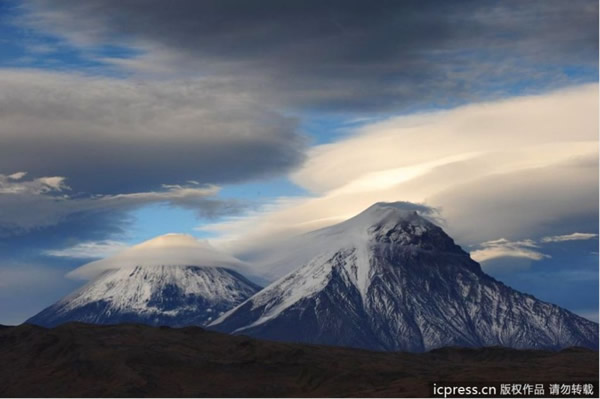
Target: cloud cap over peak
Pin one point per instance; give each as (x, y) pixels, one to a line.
(169, 249)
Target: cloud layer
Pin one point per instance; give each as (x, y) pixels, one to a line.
(29, 204)
(89, 250)
(528, 249)
(502, 248)
(344, 54)
(570, 237)
(110, 136)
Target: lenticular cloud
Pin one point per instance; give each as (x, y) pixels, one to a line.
(168, 249)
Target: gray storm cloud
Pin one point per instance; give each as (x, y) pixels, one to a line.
(107, 135)
(343, 55)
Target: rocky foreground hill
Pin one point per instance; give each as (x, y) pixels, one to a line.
(82, 360)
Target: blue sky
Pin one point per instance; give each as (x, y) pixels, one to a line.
(135, 122)
(24, 47)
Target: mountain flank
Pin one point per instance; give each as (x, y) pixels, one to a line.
(390, 279)
(172, 280)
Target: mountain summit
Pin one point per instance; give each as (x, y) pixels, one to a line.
(172, 280)
(390, 279)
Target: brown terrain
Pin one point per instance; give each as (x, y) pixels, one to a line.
(80, 360)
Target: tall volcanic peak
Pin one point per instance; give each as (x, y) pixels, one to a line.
(150, 284)
(396, 223)
(390, 279)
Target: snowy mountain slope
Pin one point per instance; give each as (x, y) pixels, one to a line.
(155, 294)
(389, 279)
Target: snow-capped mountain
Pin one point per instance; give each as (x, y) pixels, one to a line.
(390, 279)
(140, 285)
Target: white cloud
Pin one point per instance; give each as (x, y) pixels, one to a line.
(165, 250)
(526, 249)
(522, 167)
(46, 201)
(17, 175)
(518, 133)
(89, 249)
(570, 237)
(12, 184)
(502, 248)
